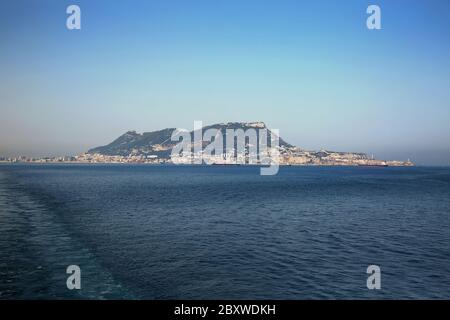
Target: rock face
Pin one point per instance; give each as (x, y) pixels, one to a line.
(132, 143)
(159, 143)
(156, 147)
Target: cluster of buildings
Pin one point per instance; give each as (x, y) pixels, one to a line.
(286, 156)
(223, 159)
(23, 159)
(132, 158)
(87, 158)
(297, 156)
(290, 156)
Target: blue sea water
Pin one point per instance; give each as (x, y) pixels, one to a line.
(223, 232)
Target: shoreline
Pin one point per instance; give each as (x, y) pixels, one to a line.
(204, 164)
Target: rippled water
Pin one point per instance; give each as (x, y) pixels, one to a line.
(206, 232)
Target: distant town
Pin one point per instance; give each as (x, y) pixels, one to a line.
(156, 148)
(291, 157)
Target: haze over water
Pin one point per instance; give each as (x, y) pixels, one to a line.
(207, 232)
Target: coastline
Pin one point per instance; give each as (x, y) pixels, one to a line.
(204, 164)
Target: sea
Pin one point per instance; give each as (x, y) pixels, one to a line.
(223, 232)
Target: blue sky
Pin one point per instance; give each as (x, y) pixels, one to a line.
(310, 68)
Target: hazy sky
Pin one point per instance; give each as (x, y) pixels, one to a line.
(310, 68)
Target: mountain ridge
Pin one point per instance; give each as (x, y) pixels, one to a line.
(159, 142)
(156, 147)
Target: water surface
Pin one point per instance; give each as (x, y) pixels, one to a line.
(213, 232)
